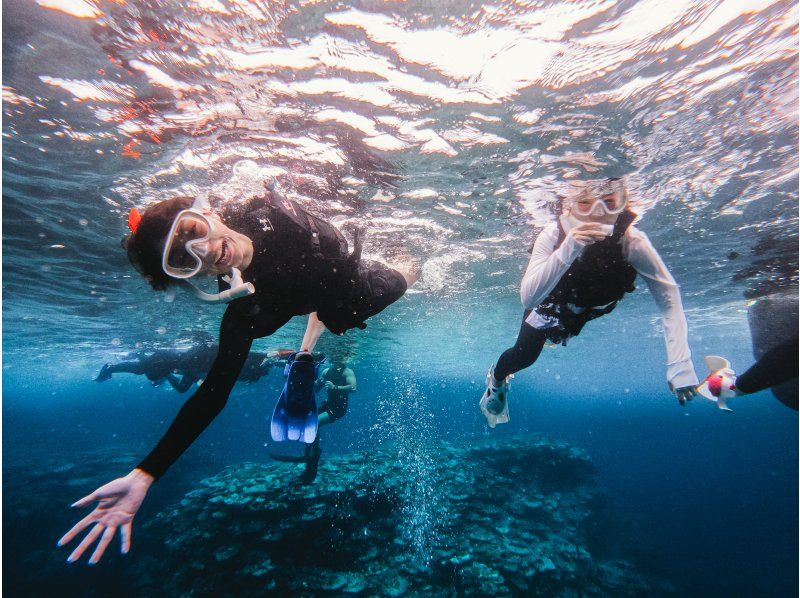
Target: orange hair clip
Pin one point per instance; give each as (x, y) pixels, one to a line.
(134, 218)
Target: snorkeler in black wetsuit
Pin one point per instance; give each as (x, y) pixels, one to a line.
(340, 381)
(275, 260)
(182, 369)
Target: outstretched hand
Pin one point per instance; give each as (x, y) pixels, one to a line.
(684, 393)
(119, 500)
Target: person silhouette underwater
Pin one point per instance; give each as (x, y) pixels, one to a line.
(183, 368)
(581, 267)
(273, 260)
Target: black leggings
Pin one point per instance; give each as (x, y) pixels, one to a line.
(776, 366)
(524, 353)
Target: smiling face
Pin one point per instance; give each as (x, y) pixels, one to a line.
(208, 239)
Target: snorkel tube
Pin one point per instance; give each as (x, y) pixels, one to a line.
(238, 288)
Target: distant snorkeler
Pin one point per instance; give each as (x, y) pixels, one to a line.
(340, 382)
(182, 369)
(274, 261)
(581, 266)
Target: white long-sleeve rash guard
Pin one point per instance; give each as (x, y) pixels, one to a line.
(548, 264)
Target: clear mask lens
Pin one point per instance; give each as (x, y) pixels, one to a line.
(600, 198)
(187, 244)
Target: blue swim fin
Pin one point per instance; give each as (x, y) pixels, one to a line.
(295, 415)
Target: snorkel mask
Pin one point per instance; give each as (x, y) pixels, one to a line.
(185, 247)
(597, 199)
(610, 198)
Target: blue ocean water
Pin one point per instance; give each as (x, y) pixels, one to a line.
(448, 130)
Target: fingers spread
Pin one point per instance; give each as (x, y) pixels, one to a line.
(87, 541)
(108, 535)
(77, 528)
(125, 532)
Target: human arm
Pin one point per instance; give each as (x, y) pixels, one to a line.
(207, 401)
(314, 330)
(322, 380)
(350, 378)
(666, 293)
(120, 499)
(549, 263)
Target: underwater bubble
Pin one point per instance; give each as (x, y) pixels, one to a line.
(116, 342)
(83, 222)
(160, 330)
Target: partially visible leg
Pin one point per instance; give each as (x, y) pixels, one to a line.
(314, 330)
(523, 354)
(313, 453)
(407, 266)
(130, 367)
(332, 410)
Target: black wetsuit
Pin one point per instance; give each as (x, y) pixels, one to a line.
(193, 364)
(336, 403)
(300, 264)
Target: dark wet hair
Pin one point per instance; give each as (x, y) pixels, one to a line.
(146, 246)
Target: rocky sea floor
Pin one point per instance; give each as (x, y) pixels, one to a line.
(517, 518)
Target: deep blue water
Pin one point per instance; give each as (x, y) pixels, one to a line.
(702, 498)
(452, 131)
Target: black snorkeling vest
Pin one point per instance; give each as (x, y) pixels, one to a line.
(595, 282)
(296, 255)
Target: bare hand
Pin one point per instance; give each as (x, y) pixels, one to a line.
(685, 393)
(330, 385)
(588, 233)
(120, 499)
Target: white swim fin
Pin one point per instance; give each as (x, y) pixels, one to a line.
(494, 402)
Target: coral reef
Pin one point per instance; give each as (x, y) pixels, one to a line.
(498, 519)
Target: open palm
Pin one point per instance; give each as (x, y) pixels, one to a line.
(119, 500)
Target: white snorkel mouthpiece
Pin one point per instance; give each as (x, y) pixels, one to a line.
(238, 288)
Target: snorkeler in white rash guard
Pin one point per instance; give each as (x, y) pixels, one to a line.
(580, 268)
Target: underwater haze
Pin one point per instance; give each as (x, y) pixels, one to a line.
(448, 130)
